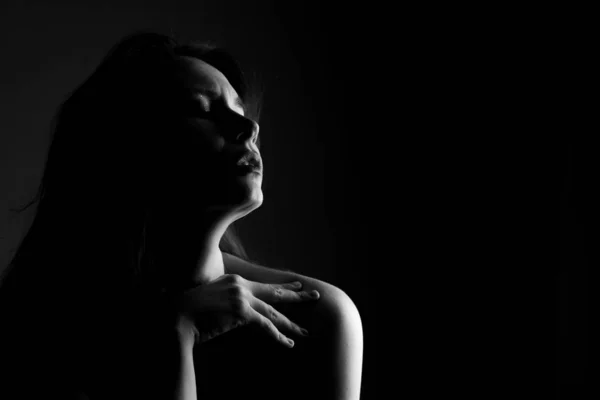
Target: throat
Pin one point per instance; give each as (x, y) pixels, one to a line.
(192, 268)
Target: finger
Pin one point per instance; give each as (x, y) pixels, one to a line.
(272, 293)
(280, 321)
(292, 285)
(268, 327)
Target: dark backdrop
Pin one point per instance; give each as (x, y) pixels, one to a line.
(311, 61)
(578, 240)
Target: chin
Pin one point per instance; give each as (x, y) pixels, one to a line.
(258, 200)
(245, 209)
(240, 196)
(248, 190)
(246, 198)
(255, 200)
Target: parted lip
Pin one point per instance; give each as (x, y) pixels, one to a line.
(250, 158)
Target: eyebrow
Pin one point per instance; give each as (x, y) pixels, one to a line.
(213, 94)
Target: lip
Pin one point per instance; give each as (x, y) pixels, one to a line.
(249, 160)
(247, 169)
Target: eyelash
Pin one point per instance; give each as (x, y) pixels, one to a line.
(201, 112)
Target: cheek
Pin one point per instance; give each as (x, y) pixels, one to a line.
(202, 142)
(193, 160)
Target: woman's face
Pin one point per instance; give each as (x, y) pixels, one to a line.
(215, 135)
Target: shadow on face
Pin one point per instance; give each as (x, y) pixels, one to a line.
(215, 134)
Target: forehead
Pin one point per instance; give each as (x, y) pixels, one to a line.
(199, 74)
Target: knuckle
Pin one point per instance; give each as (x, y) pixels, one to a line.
(236, 291)
(277, 293)
(235, 279)
(273, 316)
(268, 324)
(238, 306)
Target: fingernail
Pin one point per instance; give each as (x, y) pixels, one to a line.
(291, 342)
(314, 294)
(297, 284)
(304, 331)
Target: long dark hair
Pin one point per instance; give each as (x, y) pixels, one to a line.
(89, 247)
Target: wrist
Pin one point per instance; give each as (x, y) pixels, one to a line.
(185, 332)
(175, 320)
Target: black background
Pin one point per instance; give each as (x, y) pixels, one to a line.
(579, 238)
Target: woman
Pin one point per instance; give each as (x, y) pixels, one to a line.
(131, 282)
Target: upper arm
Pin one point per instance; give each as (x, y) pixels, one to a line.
(337, 323)
(343, 331)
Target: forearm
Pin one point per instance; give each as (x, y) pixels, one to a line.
(176, 375)
(185, 382)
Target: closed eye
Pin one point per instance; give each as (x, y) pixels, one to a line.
(194, 109)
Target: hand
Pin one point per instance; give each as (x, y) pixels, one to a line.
(231, 301)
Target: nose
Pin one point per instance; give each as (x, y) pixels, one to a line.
(249, 131)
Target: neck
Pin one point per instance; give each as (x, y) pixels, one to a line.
(192, 256)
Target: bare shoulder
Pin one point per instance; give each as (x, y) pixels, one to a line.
(334, 302)
(337, 339)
